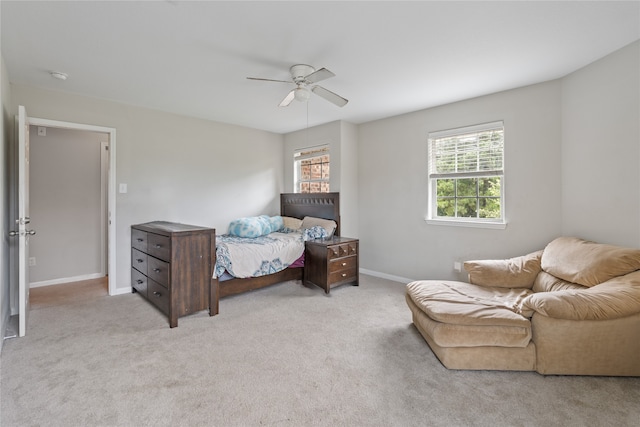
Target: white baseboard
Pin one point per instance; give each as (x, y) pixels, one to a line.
(66, 280)
(386, 276)
(122, 291)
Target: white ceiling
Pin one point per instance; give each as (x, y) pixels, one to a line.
(192, 58)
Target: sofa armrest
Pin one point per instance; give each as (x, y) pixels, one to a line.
(616, 298)
(518, 272)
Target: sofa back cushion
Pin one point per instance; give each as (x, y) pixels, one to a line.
(588, 263)
(546, 282)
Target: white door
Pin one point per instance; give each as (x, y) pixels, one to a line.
(23, 220)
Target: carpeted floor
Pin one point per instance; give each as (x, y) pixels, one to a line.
(283, 355)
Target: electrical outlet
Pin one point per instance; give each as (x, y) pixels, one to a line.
(32, 261)
(457, 266)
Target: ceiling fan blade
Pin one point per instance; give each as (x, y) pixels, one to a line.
(319, 75)
(330, 96)
(268, 80)
(288, 99)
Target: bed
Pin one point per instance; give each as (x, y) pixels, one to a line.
(296, 205)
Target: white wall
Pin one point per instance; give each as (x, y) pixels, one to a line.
(601, 150)
(343, 145)
(66, 205)
(394, 237)
(177, 168)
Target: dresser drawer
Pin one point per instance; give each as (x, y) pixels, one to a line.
(139, 281)
(158, 295)
(158, 270)
(139, 261)
(139, 240)
(342, 250)
(159, 246)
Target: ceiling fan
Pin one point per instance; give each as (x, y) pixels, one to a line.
(305, 77)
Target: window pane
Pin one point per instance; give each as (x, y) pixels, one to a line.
(324, 187)
(468, 207)
(304, 187)
(467, 187)
(447, 207)
(305, 170)
(316, 171)
(446, 187)
(489, 187)
(325, 171)
(489, 207)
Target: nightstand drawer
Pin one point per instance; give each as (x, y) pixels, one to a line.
(159, 246)
(139, 281)
(343, 275)
(348, 263)
(158, 295)
(139, 261)
(342, 250)
(158, 270)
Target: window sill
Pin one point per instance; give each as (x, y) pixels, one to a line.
(472, 224)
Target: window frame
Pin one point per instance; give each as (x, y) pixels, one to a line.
(305, 154)
(432, 176)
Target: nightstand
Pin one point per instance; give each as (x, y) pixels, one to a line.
(331, 262)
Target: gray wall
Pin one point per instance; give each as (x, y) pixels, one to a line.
(396, 240)
(177, 168)
(66, 204)
(601, 149)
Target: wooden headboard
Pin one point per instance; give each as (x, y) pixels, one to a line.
(320, 205)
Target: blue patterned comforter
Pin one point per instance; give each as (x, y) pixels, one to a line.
(252, 257)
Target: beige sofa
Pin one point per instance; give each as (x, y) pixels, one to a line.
(572, 308)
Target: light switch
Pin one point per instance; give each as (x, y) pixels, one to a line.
(123, 188)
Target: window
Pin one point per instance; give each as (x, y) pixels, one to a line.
(466, 175)
(311, 170)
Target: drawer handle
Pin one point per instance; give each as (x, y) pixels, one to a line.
(140, 240)
(344, 274)
(157, 270)
(140, 260)
(158, 246)
(139, 282)
(344, 264)
(158, 294)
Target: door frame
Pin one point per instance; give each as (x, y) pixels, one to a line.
(111, 199)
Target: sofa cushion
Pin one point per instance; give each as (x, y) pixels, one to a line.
(613, 299)
(466, 315)
(588, 263)
(518, 272)
(545, 282)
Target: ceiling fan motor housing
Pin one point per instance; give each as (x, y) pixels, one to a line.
(300, 71)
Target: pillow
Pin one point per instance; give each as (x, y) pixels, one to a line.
(292, 223)
(277, 223)
(518, 272)
(327, 224)
(254, 226)
(315, 232)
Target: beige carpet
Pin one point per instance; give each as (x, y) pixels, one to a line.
(284, 355)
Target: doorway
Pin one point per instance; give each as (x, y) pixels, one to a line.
(102, 235)
(68, 205)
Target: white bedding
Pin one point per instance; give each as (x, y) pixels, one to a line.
(252, 257)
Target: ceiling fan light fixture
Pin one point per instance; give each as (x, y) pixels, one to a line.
(302, 94)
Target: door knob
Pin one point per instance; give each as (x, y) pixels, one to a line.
(13, 233)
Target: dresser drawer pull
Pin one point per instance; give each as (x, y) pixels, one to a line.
(344, 263)
(158, 246)
(157, 270)
(140, 260)
(344, 274)
(139, 282)
(140, 240)
(158, 294)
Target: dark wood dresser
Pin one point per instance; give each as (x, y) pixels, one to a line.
(172, 266)
(331, 262)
